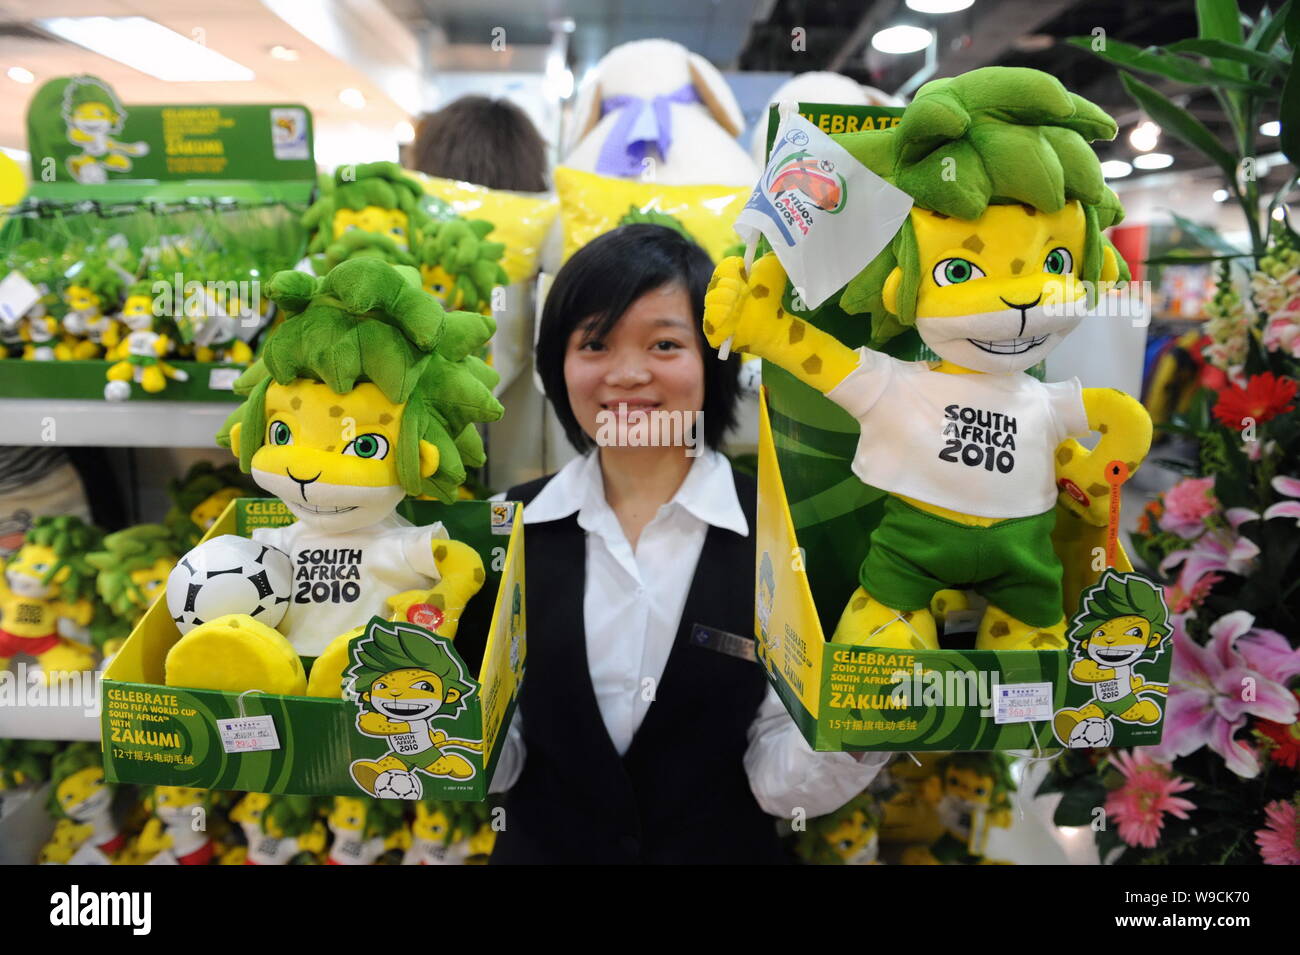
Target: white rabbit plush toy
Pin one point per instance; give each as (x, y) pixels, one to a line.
(655, 111)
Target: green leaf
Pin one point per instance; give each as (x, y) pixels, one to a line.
(1172, 117)
(1264, 37)
(1289, 108)
(1177, 68)
(1292, 26)
(1079, 803)
(1182, 257)
(1207, 237)
(1231, 52)
(1220, 20)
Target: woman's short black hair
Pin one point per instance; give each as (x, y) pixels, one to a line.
(602, 280)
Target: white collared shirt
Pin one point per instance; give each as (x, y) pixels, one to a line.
(633, 606)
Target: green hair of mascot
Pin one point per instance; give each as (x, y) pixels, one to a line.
(992, 136)
(397, 647)
(368, 188)
(369, 321)
(460, 266)
(133, 565)
(72, 540)
(1121, 595)
(103, 280)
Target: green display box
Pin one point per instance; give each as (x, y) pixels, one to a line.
(163, 735)
(846, 698)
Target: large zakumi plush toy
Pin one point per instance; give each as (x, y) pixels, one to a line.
(367, 393)
(1009, 207)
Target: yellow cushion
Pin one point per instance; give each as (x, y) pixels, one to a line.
(591, 205)
(521, 220)
(326, 678)
(236, 653)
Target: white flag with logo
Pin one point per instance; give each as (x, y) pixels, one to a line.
(825, 214)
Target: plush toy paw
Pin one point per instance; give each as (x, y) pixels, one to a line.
(1125, 429)
(744, 308)
(439, 608)
(867, 622)
(236, 653)
(948, 601)
(1001, 631)
(326, 678)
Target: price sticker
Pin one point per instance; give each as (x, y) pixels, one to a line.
(1022, 703)
(248, 734)
(17, 295)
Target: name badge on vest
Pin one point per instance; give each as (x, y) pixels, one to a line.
(732, 644)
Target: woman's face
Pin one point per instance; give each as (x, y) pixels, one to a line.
(649, 363)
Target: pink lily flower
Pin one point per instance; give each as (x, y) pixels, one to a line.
(1242, 672)
(1288, 487)
(1215, 550)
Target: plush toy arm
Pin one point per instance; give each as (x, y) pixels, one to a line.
(461, 570)
(749, 310)
(1125, 429)
(153, 838)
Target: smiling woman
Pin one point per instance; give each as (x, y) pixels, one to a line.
(634, 740)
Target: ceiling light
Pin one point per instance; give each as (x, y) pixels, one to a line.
(902, 39)
(1115, 169)
(1144, 137)
(938, 6)
(1153, 160)
(149, 47)
(404, 132)
(1272, 128)
(1220, 195)
(1279, 214)
(352, 97)
(286, 53)
(20, 74)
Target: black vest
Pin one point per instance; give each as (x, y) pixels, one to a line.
(680, 794)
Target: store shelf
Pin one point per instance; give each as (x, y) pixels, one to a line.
(145, 424)
(66, 714)
(25, 825)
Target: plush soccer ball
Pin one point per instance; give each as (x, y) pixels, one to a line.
(397, 784)
(226, 575)
(1092, 733)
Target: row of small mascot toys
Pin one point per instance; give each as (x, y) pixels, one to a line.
(928, 809)
(368, 392)
(376, 209)
(97, 821)
(992, 269)
(70, 593)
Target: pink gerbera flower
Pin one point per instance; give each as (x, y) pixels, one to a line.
(1139, 806)
(1279, 840)
(1187, 505)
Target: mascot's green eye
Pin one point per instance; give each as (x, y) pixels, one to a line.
(279, 433)
(954, 271)
(368, 446)
(1058, 262)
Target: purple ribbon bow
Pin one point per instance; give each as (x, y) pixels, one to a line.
(640, 124)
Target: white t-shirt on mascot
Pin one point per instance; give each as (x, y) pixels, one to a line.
(342, 579)
(980, 444)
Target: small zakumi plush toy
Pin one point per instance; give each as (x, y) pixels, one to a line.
(177, 831)
(47, 597)
(449, 833)
(132, 566)
(200, 497)
(364, 829)
(847, 836)
(81, 798)
(943, 817)
(281, 830)
(140, 352)
(1001, 250)
(373, 209)
(25, 762)
(459, 267)
(93, 295)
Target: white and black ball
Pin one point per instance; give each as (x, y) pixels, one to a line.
(226, 575)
